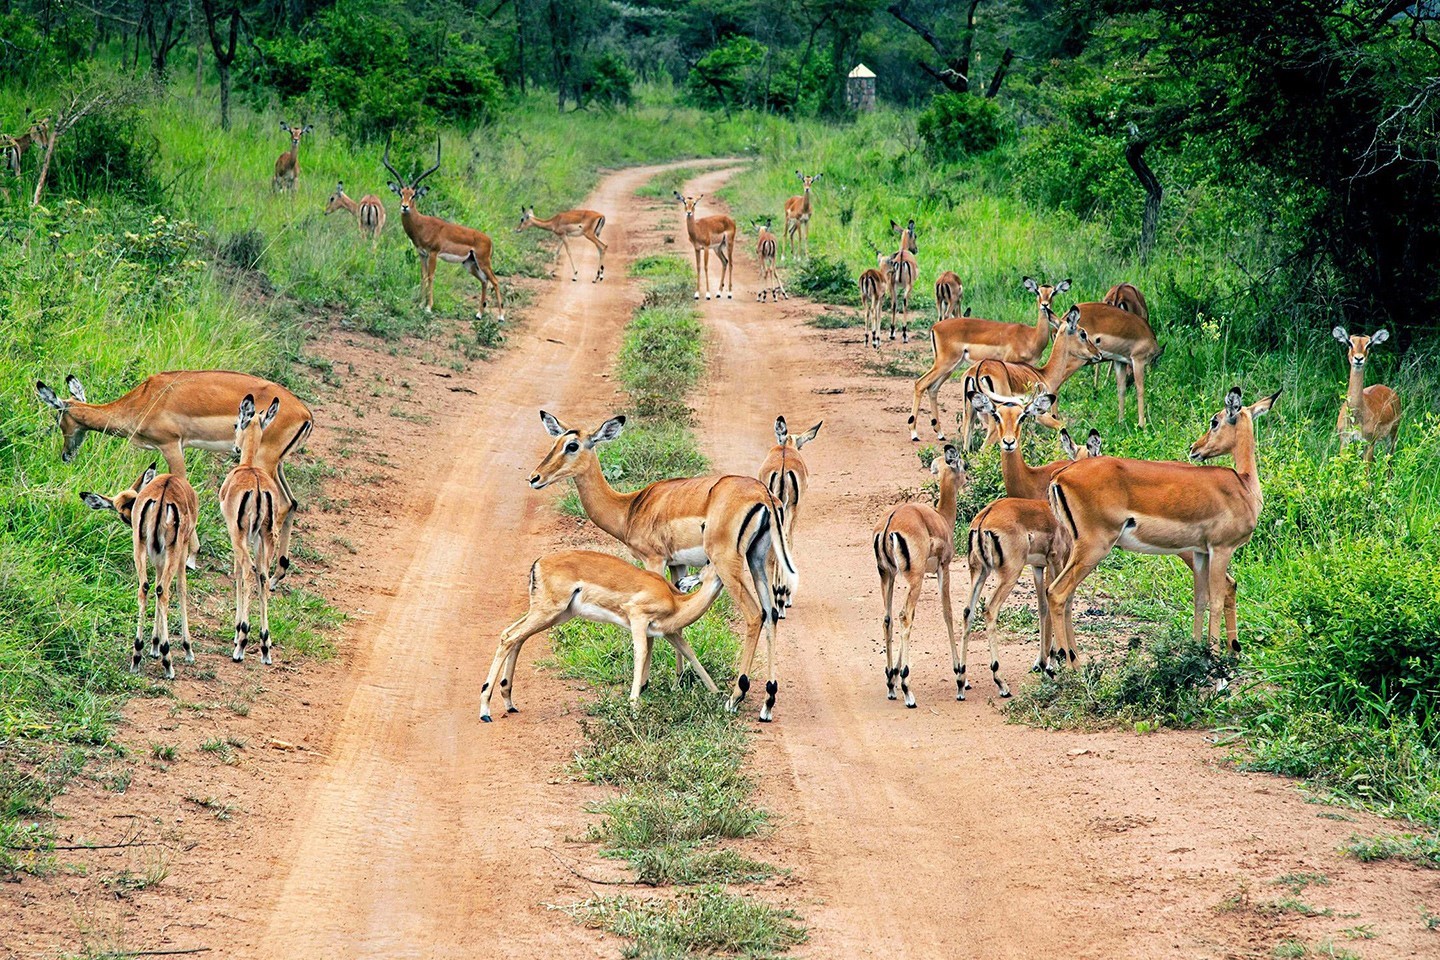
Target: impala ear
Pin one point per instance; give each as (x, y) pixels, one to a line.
(1233, 404)
(247, 412)
(552, 426)
(394, 187)
(1030, 284)
(609, 430)
(979, 399)
(1063, 285)
(894, 227)
(911, 225)
(678, 197)
(422, 191)
(47, 396)
(1072, 320)
(1067, 445)
(1339, 334)
(76, 388)
(816, 177)
(799, 175)
(781, 431)
(145, 477)
(808, 435)
(307, 129)
(1379, 336)
(1261, 407)
(1040, 404)
(952, 456)
(270, 412)
(967, 312)
(96, 502)
(284, 126)
(1092, 442)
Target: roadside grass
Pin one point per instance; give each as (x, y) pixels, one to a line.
(1339, 589)
(676, 762)
(667, 184)
(1422, 850)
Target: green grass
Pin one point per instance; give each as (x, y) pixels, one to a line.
(705, 922)
(1420, 849)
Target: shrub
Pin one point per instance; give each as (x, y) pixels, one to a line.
(107, 153)
(955, 126)
(830, 281)
(727, 76)
(608, 81)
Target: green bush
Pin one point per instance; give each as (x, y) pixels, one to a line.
(608, 81)
(377, 66)
(830, 281)
(955, 126)
(109, 152)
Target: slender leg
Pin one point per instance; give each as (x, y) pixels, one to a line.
(286, 525)
(1044, 610)
(942, 576)
(1120, 387)
(243, 566)
(887, 588)
(640, 642)
(1084, 558)
(687, 654)
(427, 281)
(913, 582)
(1139, 368)
(161, 638)
(174, 455)
(1201, 566)
(993, 606)
(979, 573)
(1219, 568)
(511, 641)
(772, 683)
(185, 617)
(262, 589)
(140, 591)
(574, 270)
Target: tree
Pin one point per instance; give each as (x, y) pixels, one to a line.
(223, 18)
(954, 71)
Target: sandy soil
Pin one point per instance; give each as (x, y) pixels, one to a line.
(371, 815)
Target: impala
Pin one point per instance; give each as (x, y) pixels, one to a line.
(901, 269)
(1126, 339)
(161, 512)
(190, 408)
(765, 249)
(728, 521)
(1369, 414)
(369, 213)
(873, 287)
(604, 589)
(797, 216)
(711, 233)
(1151, 507)
(970, 339)
(912, 540)
(15, 148)
(1017, 530)
(437, 239)
(287, 165)
(253, 507)
(784, 473)
(1127, 297)
(948, 293)
(1074, 348)
(567, 224)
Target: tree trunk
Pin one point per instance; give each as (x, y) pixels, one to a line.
(1000, 72)
(1135, 156)
(45, 165)
(224, 71)
(199, 54)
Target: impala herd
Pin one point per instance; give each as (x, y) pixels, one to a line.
(1060, 519)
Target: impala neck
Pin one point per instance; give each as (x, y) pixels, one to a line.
(1014, 471)
(111, 418)
(1354, 395)
(805, 205)
(543, 223)
(1064, 361)
(607, 508)
(947, 506)
(1041, 336)
(1244, 457)
(694, 605)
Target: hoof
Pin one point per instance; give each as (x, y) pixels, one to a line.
(512, 709)
(266, 660)
(911, 706)
(890, 695)
(1004, 694)
(960, 697)
(485, 718)
(238, 657)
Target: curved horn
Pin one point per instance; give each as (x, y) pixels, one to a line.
(432, 169)
(386, 160)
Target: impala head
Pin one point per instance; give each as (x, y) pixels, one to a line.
(1068, 329)
(783, 437)
(1358, 347)
(1091, 448)
(807, 181)
(409, 193)
(1045, 294)
(573, 450)
(336, 198)
(689, 203)
(949, 464)
(762, 225)
(249, 427)
(1227, 426)
(907, 235)
(123, 502)
(70, 427)
(295, 132)
(1008, 412)
(527, 216)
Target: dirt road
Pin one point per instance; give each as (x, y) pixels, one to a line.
(403, 828)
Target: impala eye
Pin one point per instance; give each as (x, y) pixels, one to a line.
(572, 447)
(1214, 422)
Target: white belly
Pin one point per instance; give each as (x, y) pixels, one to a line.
(1155, 535)
(691, 557)
(216, 446)
(599, 615)
(454, 257)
